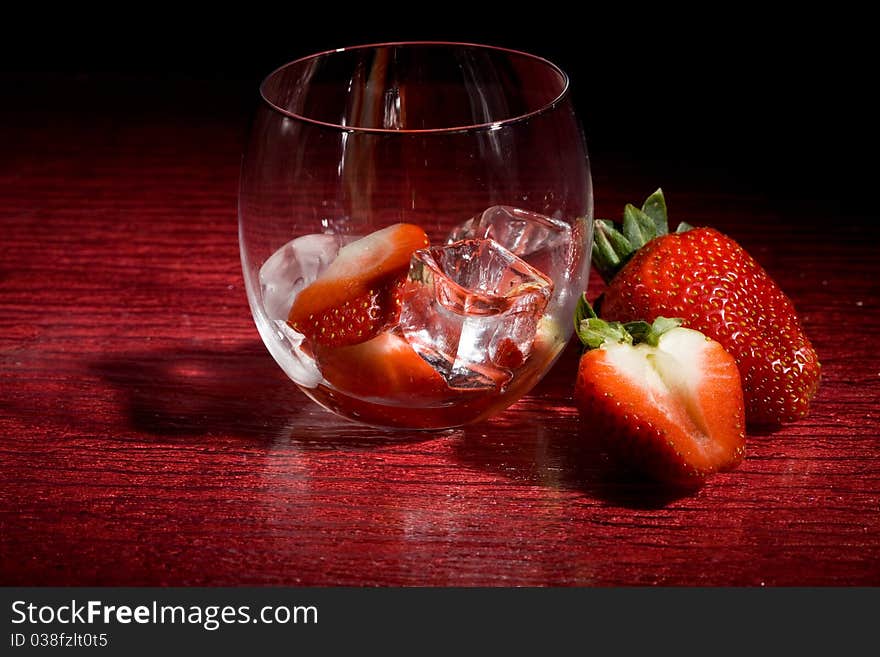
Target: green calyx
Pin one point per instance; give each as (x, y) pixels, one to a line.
(612, 248)
(594, 332)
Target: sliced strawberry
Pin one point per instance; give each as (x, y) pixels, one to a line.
(385, 368)
(356, 320)
(358, 295)
(508, 354)
(671, 406)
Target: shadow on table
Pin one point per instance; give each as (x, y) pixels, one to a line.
(238, 393)
(232, 392)
(541, 441)
(559, 458)
(200, 391)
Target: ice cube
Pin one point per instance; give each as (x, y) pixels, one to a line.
(299, 365)
(291, 268)
(541, 241)
(471, 310)
(284, 274)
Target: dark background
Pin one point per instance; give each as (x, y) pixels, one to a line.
(776, 106)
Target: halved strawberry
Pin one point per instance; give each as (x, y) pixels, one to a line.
(666, 399)
(358, 295)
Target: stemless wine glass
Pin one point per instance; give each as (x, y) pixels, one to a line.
(415, 227)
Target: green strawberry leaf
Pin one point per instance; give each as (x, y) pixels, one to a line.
(660, 326)
(655, 207)
(610, 248)
(638, 228)
(596, 332)
(622, 246)
(639, 330)
(683, 227)
(604, 257)
(583, 311)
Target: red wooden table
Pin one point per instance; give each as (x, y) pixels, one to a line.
(147, 437)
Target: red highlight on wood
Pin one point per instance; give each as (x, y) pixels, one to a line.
(147, 437)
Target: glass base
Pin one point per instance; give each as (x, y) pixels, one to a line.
(461, 408)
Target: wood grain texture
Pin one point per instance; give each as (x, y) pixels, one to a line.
(149, 438)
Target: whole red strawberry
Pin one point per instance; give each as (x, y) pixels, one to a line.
(716, 287)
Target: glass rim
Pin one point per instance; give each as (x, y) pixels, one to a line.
(477, 127)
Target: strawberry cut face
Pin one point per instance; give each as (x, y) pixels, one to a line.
(359, 295)
(674, 411)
